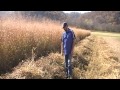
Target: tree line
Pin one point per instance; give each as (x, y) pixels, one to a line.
(95, 20)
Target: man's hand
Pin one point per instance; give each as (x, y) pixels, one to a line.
(72, 48)
(62, 49)
(61, 53)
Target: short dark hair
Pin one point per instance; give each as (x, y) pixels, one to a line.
(65, 24)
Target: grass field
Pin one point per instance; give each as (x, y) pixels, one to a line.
(92, 59)
(21, 39)
(107, 34)
(96, 54)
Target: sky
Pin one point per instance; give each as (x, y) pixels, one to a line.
(76, 11)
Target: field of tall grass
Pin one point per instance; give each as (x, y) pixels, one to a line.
(92, 59)
(21, 39)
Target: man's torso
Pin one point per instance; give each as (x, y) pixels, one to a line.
(67, 40)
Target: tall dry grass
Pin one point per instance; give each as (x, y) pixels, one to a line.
(18, 38)
(92, 59)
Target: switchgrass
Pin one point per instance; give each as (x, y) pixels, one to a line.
(92, 59)
(52, 66)
(45, 68)
(22, 38)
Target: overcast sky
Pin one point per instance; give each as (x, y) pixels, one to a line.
(76, 11)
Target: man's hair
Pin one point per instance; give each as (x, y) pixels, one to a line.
(65, 24)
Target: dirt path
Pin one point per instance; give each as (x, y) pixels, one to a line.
(114, 44)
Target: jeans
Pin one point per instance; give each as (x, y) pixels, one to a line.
(68, 67)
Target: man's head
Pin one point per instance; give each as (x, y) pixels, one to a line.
(65, 26)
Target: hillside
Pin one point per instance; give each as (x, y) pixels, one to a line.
(96, 20)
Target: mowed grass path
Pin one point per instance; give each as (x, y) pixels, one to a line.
(107, 34)
(113, 40)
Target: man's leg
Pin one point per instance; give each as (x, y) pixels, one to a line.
(69, 66)
(66, 65)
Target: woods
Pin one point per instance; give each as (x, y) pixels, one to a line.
(96, 20)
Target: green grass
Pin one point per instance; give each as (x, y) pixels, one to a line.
(107, 34)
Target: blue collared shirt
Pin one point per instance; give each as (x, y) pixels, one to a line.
(67, 39)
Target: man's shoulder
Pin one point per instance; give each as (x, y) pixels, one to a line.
(63, 33)
(71, 31)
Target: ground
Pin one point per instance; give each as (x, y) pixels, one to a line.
(112, 39)
(114, 44)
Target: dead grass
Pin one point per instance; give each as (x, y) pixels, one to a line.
(50, 67)
(92, 59)
(19, 36)
(45, 68)
(101, 65)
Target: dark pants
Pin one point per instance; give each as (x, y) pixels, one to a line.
(68, 67)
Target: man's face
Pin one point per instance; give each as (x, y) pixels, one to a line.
(65, 28)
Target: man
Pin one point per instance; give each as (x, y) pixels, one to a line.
(67, 46)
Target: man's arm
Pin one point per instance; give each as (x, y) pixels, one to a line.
(73, 47)
(74, 38)
(62, 45)
(61, 48)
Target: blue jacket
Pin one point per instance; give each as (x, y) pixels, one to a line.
(67, 39)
